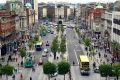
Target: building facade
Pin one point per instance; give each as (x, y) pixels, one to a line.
(7, 29)
(34, 4)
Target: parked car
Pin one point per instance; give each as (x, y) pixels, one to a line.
(96, 70)
(44, 54)
(54, 75)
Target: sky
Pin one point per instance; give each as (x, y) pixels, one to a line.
(77, 1)
(71, 1)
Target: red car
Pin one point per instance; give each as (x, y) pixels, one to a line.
(40, 62)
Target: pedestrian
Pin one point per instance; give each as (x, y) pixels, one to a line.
(57, 57)
(87, 53)
(16, 59)
(73, 63)
(13, 77)
(21, 63)
(15, 70)
(33, 69)
(30, 78)
(99, 54)
(21, 76)
(94, 65)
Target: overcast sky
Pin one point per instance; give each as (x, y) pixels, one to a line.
(77, 1)
(71, 1)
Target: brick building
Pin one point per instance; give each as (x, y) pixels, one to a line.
(7, 28)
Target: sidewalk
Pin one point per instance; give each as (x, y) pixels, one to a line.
(59, 77)
(98, 60)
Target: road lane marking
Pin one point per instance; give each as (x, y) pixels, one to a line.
(76, 56)
(67, 50)
(78, 50)
(76, 34)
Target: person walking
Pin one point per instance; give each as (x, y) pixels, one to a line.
(94, 65)
(30, 78)
(99, 54)
(73, 63)
(21, 76)
(13, 77)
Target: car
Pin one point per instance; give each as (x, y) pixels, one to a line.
(44, 54)
(96, 70)
(54, 75)
(40, 62)
(46, 50)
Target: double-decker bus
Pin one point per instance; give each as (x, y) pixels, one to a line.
(84, 65)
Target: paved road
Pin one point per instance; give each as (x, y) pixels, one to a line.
(71, 45)
(74, 50)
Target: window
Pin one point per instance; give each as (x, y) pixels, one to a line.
(3, 19)
(116, 31)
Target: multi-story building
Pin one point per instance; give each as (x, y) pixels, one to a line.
(115, 27)
(34, 4)
(106, 28)
(17, 7)
(7, 29)
(52, 11)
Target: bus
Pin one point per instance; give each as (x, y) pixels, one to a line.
(84, 65)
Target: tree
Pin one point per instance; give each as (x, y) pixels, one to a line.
(0, 70)
(63, 68)
(33, 40)
(54, 46)
(116, 48)
(63, 46)
(58, 28)
(62, 29)
(36, 37)
(105, 70)
(22, 52)
(117, 70)
(30, 44)
(7, 70)
(49, 68)
(87, 43)
(93, 52)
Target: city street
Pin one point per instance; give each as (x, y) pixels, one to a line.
(74, 51)
(84, 34)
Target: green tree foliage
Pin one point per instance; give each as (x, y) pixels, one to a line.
(105, 70)
(62, 29)
(58, 28)
(117, 70)
(63, 45)
(77, 30)
(0, 70)
(22, 52)
(55, 46)
(36, 37)
(33, 40)
(30, 44)
(7, 70)
(93, 52)
(63, 68)
(49, 68)
(87, 42)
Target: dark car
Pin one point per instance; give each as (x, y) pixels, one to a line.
(96, 70)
